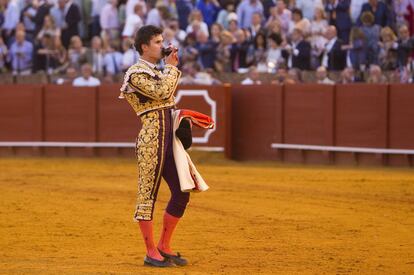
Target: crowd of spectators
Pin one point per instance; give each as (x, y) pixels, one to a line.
(280, 37)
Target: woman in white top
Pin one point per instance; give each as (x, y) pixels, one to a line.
(274, 53)
(49, 27)
(317, 30)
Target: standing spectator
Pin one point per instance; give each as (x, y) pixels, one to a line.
(233, 26)
(308, 7)
(357, 49)
(169, 38)
(209, 9)
(10, 20)
(154, 16)
(380, 11)
(21, 55)
(206, 51)
(70, 25)
(333, 58)
(239, 51)
(298, 54)
(109, 20)
(48, 28)
(372, 36)
(284, 16)
(184, 8)
(322, 76)
(113, 60)
(222, 62)
(134, 21)
(95, 56)
(356, 6)
(245, 11)
(86, 80)
(317, 38)
(274, 53)
(405, 46)
(298, 22)
(41, 12)
(96, 9)
(222, 17)
(388, 49)
(27, 16)
(256, 25)
(260, 52)
(58, 13)
(3, 55)
(342, 20)
(130, 7)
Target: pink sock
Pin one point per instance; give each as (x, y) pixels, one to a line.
(148, 236)
(170, 222)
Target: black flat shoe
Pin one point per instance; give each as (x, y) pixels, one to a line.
(176, 259)
(148, 261)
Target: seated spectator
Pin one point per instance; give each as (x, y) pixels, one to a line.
(222, 17)
(189, 52)
(193, 75)
(388, 49)
(206, 51)
(239, 51)
(215, 32)
(95, 56)
(372, 36)
(293, 76)
(405, 46)
(68, 78)
(21, 55)
(300, 23)
(282, 15)
(298, 54)
(76, 52)
(322, 76)
(3, 55)
(308, 7)
(44, 55)
(375, 75)
(130, 55)
(86, 80)
(222, 62)
(134, 21)
(348, 76)
(131, 6)
(253, 77)
(333, 58)
(11, 18)
(170, 38)
(113, 60)
(233, 26)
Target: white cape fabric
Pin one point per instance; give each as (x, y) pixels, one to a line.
(190, 178)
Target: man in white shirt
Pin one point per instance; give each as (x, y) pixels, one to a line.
(130, 5)
(322, 76)
(252, 78)
(134, 21)
(308, 7)
(113, 61)
(86, 80)
(109, 20)
(11, 18)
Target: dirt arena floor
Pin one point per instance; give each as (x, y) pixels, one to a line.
(74, 216)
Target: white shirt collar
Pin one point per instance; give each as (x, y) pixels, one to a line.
(151, 65)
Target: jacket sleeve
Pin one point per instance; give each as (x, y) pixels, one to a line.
(156, 88)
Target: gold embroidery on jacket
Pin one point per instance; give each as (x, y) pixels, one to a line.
(147, 149)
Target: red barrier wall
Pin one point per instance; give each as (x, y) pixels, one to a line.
(308, 119)
(257, 121)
